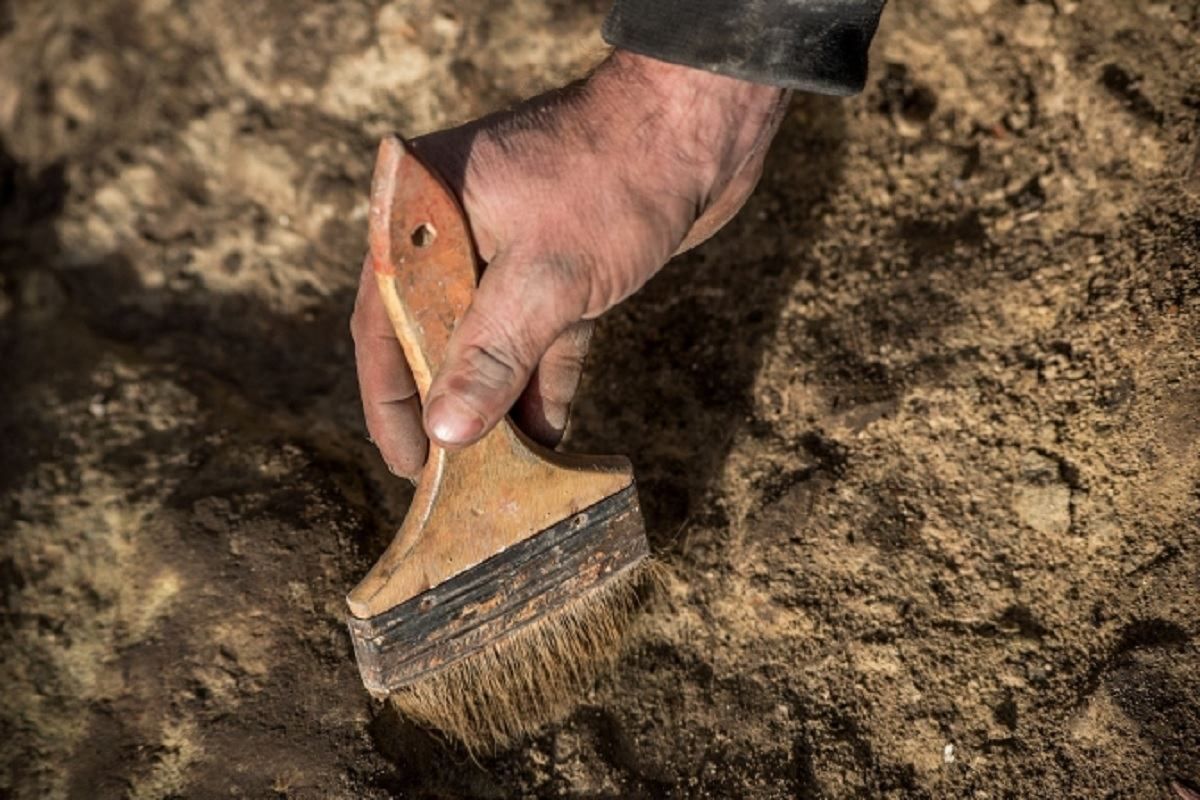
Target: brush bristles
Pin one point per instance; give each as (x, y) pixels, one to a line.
(535, 675)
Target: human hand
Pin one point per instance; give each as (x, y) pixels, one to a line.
(575, 199)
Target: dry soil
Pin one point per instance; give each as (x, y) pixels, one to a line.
(918, 434)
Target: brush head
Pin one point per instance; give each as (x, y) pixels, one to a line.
(537, 674)
(500, 648)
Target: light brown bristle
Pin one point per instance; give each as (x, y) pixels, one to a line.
(536, 674)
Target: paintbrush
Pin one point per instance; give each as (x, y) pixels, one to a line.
(517, 571)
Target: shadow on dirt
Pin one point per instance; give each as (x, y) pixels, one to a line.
(263, 368)
(29, 202)
(670, 375)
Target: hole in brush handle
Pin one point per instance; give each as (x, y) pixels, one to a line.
(424, 235)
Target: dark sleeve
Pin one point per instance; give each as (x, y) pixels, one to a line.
(812, 45)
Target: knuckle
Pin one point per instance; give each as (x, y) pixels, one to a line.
(493, 364)
(565, 358)
(606, 289)
(568, 360)
(557, 397)
(572, 284)
(510, 344)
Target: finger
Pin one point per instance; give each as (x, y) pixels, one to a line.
(543, 409)
(385, 383)
(521, 307)
(726, 206)
(396, 429)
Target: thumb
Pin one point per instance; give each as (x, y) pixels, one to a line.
(519, 310)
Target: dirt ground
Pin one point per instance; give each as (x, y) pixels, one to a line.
(918, 435)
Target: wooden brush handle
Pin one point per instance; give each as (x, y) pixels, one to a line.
(421, 245)
(473, 503)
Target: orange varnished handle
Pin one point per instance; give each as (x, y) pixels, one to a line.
(419, 239)
(473, 503)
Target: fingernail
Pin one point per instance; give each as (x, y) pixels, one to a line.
(451, 421)
(556, 417)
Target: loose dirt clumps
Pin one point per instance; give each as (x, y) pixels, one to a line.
(918, 435)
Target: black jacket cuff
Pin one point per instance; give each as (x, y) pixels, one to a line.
(812, 45)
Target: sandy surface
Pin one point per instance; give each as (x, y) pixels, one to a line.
(918, 435)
